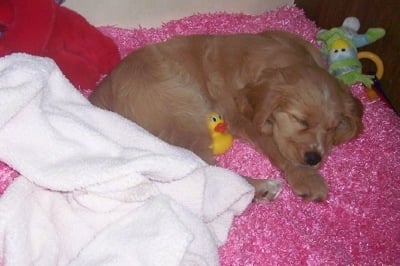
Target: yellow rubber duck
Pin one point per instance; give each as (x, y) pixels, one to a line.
(221, 140)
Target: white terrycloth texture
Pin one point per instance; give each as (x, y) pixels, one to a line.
(96, 189)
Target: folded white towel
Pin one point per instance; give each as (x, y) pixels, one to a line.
(95, 188)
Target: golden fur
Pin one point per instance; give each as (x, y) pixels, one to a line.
(270, 88)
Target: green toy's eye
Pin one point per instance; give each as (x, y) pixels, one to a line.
(341, 50)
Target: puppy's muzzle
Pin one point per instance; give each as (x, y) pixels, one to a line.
(312, 158)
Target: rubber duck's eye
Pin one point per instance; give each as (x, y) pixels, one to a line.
(220, 117)
(213, 119)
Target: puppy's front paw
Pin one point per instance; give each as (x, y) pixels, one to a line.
(309, 185)
(266, 190)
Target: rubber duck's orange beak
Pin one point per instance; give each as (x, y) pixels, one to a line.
(221, 127)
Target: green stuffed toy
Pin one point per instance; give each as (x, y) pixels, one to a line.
(340, 47)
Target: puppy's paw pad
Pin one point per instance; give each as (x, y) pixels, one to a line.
(311, 189)
(268, 190)
(319, 197)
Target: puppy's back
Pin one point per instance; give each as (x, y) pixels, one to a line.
(158, 87)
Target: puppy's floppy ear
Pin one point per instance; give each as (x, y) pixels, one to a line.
(258, 101)
(351, 123)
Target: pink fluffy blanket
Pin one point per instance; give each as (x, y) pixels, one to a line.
(357, 225)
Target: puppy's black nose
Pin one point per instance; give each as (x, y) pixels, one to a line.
(312, 158)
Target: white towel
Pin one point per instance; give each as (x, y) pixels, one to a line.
(95, 188)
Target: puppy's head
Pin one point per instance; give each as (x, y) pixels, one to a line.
(306, 111)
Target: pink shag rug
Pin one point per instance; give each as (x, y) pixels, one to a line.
(360, 222)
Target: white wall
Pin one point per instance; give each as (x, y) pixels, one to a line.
(152, 13)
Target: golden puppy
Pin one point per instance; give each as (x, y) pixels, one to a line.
(270, 87)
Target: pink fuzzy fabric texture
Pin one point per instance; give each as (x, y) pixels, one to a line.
(360, 222)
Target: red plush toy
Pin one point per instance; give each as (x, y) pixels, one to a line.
(44, 28)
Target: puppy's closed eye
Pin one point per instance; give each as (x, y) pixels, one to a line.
(300, 120)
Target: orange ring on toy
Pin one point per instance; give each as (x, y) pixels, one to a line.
(374, 58)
